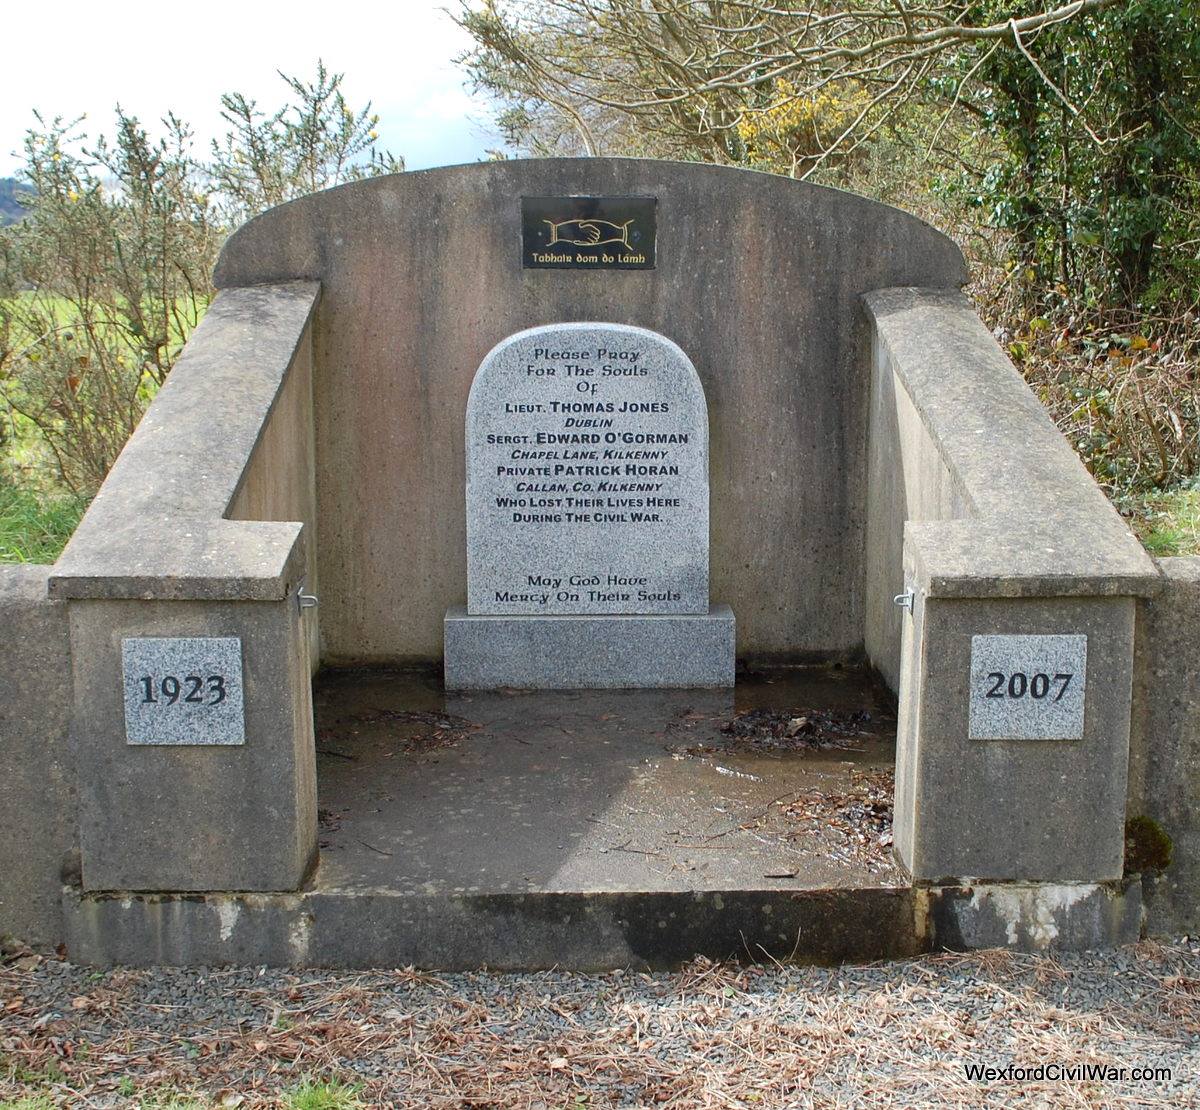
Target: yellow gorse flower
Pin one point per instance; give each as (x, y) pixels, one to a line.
(798, 126)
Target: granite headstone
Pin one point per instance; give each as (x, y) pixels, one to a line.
(587, 476)
(587, 518)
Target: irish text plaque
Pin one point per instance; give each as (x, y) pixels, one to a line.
(588, 233)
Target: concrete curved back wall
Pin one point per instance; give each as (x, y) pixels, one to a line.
(758, 279)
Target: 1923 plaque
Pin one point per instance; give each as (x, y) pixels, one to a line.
(183, 690)
(588, 233)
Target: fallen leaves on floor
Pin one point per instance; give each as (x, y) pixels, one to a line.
(861, 815)
(416, 731)
(769, 731)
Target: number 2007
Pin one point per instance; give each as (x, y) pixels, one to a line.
(199, 690)
(1019, 684)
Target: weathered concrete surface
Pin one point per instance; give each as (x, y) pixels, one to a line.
(578, 931)
(37, 799)
(280, 479)
(172, 547)
(573, 653)
(757, 279)
(1035, 917)
(572, 829)
(980, 506)
(594, 790)
(907, 479)
(1165, 746)
(591, 931)
(1011, 810)
(157, 528)
(196, 818)
(997, 504)
(621, 831)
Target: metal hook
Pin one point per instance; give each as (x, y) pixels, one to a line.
(305, 600)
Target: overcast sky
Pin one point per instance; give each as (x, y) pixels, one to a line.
(70, 58)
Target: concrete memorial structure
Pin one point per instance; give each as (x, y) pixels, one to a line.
(587, 500)
(525, 422)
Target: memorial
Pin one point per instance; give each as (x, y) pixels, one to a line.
(482, 463)
(587, 518)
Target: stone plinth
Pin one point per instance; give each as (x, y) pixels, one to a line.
(589, 652)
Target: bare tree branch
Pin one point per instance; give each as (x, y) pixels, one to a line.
(693, 73)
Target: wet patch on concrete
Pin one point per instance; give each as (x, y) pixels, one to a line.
(800, 729)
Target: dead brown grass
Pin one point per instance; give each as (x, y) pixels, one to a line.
(713, 1035)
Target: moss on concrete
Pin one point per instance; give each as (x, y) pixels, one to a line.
(1147, 846)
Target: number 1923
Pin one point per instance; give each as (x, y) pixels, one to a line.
(192, 689)
(1019, 685)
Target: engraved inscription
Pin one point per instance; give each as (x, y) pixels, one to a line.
(587, 475)
(183, 690)
(588, 233)
(1027, 687)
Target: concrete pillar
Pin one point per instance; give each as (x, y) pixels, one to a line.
(1031, 810)
(195, 816)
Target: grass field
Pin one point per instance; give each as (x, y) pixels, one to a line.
(1169, 523)
(35, 527)
(36, 519)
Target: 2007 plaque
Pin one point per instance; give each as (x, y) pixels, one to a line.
(588, 233)
(1027, 687)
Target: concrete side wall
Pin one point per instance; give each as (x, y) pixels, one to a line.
(1165, 744)
(279, 482)
(980, 506)
(907, 479)
(202, 529)
(37, 800)
(160, 525)
(757, 279)
(968, 475)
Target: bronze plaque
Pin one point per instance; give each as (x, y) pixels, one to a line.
(588, 233)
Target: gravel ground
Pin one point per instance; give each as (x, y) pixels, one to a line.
(898, 1034)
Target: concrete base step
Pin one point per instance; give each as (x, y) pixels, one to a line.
(648, 930)
(502, 931)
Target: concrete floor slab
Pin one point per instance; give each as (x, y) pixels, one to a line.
(601, 791)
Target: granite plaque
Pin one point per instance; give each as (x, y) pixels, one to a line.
(587, 475)
(1027, 687)
(588, 233)
(183, 691)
